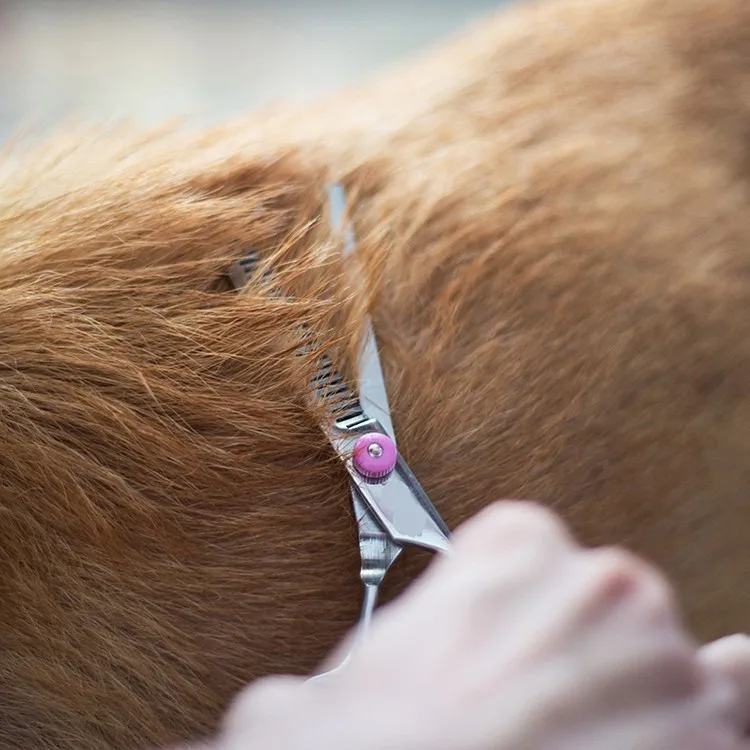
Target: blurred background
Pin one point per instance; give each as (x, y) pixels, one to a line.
(209, 60)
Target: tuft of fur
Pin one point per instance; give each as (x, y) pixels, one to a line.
(552, 215)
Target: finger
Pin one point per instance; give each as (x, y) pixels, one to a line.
(506, 544)
(260, 700)
(505, 525)
(730, 657)
(626, 582)
(608, 590)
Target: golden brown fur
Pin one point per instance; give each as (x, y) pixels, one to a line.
(555, 218)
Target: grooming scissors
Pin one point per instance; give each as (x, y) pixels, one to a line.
(390, 507)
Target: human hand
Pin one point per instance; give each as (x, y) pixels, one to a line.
(520, 638)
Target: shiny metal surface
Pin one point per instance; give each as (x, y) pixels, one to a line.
(392, 512)
(399, 504)
(371, 386)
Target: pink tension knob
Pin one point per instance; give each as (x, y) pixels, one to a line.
(374, 456)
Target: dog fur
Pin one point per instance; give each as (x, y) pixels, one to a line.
(554, 241)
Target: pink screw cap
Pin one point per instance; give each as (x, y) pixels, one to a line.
(374, 456)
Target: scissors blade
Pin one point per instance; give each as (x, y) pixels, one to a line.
(337, 209)
(373, 395)
(399, 505)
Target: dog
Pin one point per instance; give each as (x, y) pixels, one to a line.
(554, 245)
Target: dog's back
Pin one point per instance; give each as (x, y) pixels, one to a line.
(553, 216)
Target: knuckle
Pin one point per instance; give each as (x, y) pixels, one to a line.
(623, 575)
(617, 561)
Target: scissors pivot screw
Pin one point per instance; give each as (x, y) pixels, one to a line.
(374, 456)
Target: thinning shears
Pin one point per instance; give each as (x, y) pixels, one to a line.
(390, 507)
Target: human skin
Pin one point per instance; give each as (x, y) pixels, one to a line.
(553, 240)
(521, 638)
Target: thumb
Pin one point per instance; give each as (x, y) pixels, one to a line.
(730, 658)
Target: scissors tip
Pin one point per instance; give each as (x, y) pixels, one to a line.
(337, 207)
